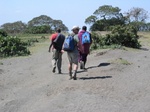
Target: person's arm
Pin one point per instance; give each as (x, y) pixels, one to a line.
(79, 44)
(80, 47)
(51, 43)
(49, 50)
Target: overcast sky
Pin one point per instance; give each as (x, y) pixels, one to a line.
(71, 12)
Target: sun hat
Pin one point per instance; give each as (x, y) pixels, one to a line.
(75, 27)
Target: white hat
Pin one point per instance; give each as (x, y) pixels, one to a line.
(75, 27)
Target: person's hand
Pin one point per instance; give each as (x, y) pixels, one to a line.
(62, 51)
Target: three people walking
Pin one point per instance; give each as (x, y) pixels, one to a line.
(80, 41)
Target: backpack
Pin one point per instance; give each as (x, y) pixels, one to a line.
(86, 38)
(69, 44)
(58, 42)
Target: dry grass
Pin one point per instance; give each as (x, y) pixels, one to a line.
(144, 38)
(120, 61)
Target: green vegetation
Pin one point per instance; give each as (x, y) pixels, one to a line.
(38, 25)
(12, 46)
(118, 37)
(107, 16)
(121, 30)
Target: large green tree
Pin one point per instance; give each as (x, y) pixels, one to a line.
(13, 28)
(105, 17)
(107, 12)
(46, 20)
(91, 19)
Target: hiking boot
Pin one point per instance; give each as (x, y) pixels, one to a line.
(81, 65)
(74, 77)
(53, 70)
(59, 72)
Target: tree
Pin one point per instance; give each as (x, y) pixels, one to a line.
(39, 29)
(137, 14)
(45, 20)
(107, 12)
(13, 28)
(105, 17)
(58, 24)
(91, 19)
(41, 20)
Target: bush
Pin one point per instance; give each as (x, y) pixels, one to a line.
(124, 36)
(119, 36)
(97, 41)
(12, 46)
(3, 33)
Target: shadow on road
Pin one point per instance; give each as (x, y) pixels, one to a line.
(98, 77)
(144, 49)
(100, 65)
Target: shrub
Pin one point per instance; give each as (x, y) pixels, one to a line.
(97, 41)
(119, 36)
(12, 46)
(3, 33)
(124, 36)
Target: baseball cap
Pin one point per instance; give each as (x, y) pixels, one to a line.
(75, 27)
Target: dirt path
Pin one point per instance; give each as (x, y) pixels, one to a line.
(116, 81)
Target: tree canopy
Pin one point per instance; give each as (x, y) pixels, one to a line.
(107, 16)
(40, 24)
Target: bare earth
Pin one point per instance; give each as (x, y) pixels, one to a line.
(116, 81)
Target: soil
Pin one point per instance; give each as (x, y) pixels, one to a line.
(115, 81)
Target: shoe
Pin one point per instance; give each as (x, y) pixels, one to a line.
(59, 72)
(81, 65)
(74, 77)
(53, 70)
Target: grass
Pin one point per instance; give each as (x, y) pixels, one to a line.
(37, 41)
(120, 61)
(144, 38)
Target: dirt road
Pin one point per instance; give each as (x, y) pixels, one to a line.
(116, 81)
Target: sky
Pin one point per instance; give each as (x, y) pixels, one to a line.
(71, 12)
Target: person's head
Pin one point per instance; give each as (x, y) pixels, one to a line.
(84, 28)
(58, 30)
(75, 29)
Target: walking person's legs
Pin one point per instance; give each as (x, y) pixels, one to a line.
(84, 59)
(73, 65)
(59, 62)
(54, 60)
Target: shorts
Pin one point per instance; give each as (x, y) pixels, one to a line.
(73, 57)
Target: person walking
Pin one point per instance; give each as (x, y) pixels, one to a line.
(85, 41)
(73, 55)
(57, 40)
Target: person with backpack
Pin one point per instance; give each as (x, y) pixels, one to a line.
(71, 45)
(86, 41)
(57, 40)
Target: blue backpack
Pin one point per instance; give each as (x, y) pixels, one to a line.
(69, 44)
(86, 38)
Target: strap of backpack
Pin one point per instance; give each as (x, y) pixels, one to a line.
(57, 37)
